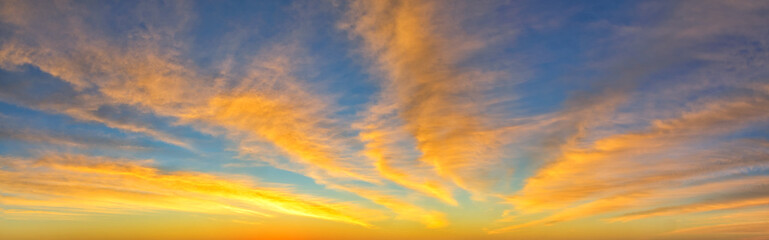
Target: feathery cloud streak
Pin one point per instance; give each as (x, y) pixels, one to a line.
(78, 184)
(386, 118)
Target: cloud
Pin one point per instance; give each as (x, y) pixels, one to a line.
(427, 98)
(33, 214)
(731, 194)
(122, 82)
(669, 123)
(262, 106)
(82, 184)
(754, 228)
(271, 104)
(404, 210)
(605, 162)
(616, 168)
(99, 71)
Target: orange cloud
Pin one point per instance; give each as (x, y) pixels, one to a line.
(619, 171)
(272, 107)
(404, 210)
(146, 73)
(437, 104)
(84, 184)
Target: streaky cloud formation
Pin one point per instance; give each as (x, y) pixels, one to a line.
(77, 184)
(427, 99)
(384, 119)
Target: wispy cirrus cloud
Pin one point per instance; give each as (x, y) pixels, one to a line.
(607, 165)
(79, 184)
(263, 106)
(430, 117)
(542, 112)
(140, 73)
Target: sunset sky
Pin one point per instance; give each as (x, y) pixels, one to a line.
(384, 119)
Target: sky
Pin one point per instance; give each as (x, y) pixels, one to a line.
(388, 119)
